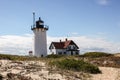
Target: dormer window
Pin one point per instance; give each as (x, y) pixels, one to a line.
(69, 47)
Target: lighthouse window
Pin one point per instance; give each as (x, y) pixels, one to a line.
(40, 23)
(42, 55)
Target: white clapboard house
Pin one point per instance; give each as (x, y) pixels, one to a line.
(67, 47)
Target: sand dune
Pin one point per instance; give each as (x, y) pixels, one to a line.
(108, 73)
(37, 70)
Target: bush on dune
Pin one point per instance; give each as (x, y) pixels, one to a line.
(76, 65)
(96, 54)
(55, 56)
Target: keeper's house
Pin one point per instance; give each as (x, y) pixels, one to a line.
(67, 47)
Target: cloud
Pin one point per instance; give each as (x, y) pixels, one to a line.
(103, 2)
(20, 45)
(14, 44)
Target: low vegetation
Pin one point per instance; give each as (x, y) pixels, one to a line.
(55, 56)
(16, 57)
(96, 54)
(75, 65)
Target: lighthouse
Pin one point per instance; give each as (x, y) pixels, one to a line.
(40, 40)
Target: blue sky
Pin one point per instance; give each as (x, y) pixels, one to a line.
(65, 18)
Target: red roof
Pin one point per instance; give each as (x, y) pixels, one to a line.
(63, 44)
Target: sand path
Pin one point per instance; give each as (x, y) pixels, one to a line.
(108, 73)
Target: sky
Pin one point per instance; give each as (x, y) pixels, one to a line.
(93, 24)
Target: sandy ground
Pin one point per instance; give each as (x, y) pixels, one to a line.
(30, 70)
(36, 70)
(108, 73)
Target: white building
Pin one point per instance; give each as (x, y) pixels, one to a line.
(40, 42)
(67, 47)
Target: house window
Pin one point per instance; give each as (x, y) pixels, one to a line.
(64, 53)
(74, 48)
(60, 53)
(71, 52)
(69, 47)
(77, 53)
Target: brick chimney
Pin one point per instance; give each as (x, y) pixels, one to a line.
(66, 39)
(60, 40)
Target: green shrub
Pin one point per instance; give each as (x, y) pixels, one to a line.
(76, 65)
(96, 54)
(16, 57)
(54, 56)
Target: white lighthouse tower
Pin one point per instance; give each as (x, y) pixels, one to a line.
(40, 42)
